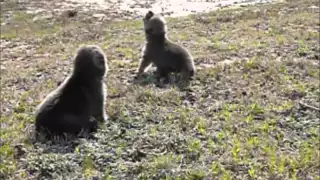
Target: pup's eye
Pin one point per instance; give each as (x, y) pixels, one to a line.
(148, 31)
(101, 61)
(100, 56)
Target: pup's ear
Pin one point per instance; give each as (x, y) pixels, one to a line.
(149, 15)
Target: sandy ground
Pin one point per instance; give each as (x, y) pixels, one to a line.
(121, 9)
(168, 7)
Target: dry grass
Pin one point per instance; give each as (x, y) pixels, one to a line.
(255, 118)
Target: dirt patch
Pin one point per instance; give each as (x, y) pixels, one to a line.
(118, 9)
(169, 7)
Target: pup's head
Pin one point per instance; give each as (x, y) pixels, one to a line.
(154, 25)
(91, 60)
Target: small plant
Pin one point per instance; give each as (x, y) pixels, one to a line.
(248, 119)
(281, 165)
(220, 136)
(153, 131)
(280, 39)
(201, 126)
(300, 87)
(235, 149)
(194, 145)
(7, 165)
(252, 172)
(195, 174)
(88, 166)
(184, 117)
(214, 168)
(252, 141)
(303, 49)
(251, 63)
(216, 44)
(244, 75)
(305, 152)
(164, 162)
(256, 109)
(210, 145)
(225, 174)
(126, 52)
(283, 69)
(265, 126)
(271, 154)
(107, 175)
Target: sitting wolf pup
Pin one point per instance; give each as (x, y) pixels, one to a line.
(166, 55)
(78, 104)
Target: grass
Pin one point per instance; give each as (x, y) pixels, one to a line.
(242, 120)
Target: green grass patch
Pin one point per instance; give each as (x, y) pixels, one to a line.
(255, 118)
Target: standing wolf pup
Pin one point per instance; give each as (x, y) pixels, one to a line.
(166, 55)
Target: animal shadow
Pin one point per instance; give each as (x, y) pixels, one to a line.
(59, 144)
(152, 78)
